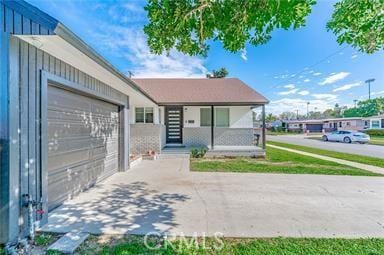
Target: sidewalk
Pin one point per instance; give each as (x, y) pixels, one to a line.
(366, 167)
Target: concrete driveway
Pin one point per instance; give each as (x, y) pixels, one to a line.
(163, 196)
(354, 148)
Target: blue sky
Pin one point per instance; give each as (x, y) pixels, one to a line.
(294, 67)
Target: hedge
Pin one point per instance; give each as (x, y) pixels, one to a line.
(375, 132)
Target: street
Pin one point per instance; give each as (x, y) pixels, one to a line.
(360, 149)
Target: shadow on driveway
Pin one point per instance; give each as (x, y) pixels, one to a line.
(117, 208)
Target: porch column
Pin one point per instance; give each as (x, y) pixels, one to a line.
(263, 128)
(212, 127)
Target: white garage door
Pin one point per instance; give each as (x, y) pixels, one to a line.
(83, 143)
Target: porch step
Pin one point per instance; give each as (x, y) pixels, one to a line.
(174, 145)
(69, 242)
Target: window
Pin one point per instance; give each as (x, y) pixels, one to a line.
(144, 115)
(222, 117)
(375, 124)
(205, 117)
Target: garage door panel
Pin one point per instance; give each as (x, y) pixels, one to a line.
(62, 129)
(83, 142)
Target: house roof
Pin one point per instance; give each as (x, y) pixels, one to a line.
(200, 91)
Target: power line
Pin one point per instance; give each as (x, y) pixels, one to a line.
(311, 66)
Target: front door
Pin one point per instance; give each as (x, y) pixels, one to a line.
(174, 123)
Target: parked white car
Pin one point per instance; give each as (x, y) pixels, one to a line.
(346, 137)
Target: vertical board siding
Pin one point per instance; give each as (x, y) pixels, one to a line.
(24, 130)
(26, 65)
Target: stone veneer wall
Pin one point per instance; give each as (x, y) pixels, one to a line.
(201, 136)
(198, 136)
(145, 137)
(234, 136)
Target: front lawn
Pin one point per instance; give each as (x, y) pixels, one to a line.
(227, 246)
(377, 140)
(340, 155)
(277, 161)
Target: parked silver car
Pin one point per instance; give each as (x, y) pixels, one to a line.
(346, 137)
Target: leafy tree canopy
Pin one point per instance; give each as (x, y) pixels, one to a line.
(359, 23)
(366, 108)
(188, 25)
(221, 73)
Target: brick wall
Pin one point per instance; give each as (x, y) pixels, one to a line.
(145, 137)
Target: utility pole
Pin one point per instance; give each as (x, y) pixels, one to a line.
(308, 103)
(369, 86)
(355, 101)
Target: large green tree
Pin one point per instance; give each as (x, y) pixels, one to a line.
(366, 108)
(190, 25)
(359, 23)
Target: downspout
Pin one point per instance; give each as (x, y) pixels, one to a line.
(212, 127)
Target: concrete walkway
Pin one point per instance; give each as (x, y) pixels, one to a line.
(163, 196)
(366, 167)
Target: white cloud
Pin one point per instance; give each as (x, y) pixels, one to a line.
(347, 86)
(354, 56)
(131, 44)
(307, 80)
(334, 77)
(289, 86)
(288, 92)
(243, 54)
(316, 74)
(324, 96)
(303, 92)
(293, 104)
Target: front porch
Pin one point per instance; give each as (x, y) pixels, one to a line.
(217, 151)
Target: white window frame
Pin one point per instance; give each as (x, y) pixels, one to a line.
(145, 114)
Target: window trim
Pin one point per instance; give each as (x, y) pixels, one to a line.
(144, 115)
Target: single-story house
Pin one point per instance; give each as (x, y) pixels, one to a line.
(303, 125)
(347, 123)
(333, 124)
(374, 122)
(69, 119)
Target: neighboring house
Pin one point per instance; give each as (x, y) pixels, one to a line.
(351, 123)
(69, 119)
(303, 125)
(374, 122)
(333, 124)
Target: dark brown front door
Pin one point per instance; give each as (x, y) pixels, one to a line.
(174, 123)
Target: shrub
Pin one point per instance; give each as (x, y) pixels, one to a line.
(198, 152)
(375, 132)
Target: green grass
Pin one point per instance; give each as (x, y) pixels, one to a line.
(43, 239)
(268, 246)
(377, 140)
(277, 161)
(340, 155)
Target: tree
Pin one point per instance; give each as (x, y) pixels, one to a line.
(366, 108)
(359, 23)
(221, 73)
(188, 26)
(270, 118)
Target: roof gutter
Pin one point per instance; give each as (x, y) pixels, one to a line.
(79, 44)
